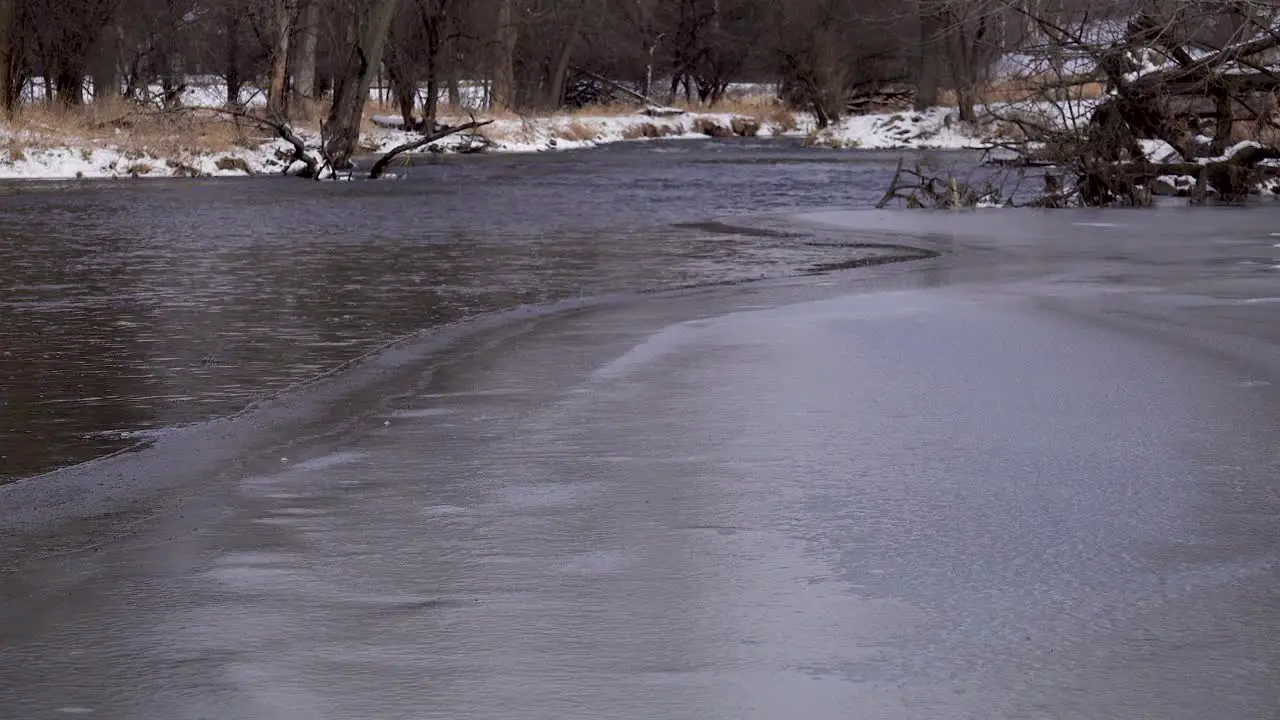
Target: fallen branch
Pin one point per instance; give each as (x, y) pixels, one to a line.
(919, 188)
(652, 106)
(312, 169)
(443, 132)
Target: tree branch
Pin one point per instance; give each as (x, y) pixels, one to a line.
(380, 166)
(282, 129)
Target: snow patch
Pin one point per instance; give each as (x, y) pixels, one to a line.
(1159, 151)
(935, 128)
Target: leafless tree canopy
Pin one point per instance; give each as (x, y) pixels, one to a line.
(525, 52)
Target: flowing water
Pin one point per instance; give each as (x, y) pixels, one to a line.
(129, 307)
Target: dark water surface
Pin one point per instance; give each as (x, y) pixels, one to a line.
(130, 307)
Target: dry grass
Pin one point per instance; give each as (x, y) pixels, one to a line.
(643, 130)
(576, 131)
(311, 112)
(1025, 89)
(780, 119)
(16, 150)
(131, 128)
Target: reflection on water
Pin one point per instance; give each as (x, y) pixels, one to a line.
(133, 306)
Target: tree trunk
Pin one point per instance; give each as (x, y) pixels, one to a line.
(342, 125)
(1224, 125)
(10, 79)
(304, 74)
(106, 77)
(555, 86)
(504, 75)
(106, 63)
(403, 83)
(432, 102)
(455, 90)
(437, 27)
(286, 11)
(235, 80)
(928, 69)
(69, 82)
(965, 102)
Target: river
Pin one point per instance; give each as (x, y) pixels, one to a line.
(132, 307)
(674, 460)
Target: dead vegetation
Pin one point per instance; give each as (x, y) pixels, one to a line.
(1164, 108)
(921, 186)
(576, 131)
(130, 129)
(1024, 89)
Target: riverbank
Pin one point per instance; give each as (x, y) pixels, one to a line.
(125, 143)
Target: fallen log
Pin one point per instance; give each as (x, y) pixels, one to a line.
(1207, 67)
(1233, 178)
(440, 133)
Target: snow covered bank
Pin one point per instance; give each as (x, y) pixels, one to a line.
(80, 160)
(571, 132)
(940, 128)
(935, 128)
(25, 156)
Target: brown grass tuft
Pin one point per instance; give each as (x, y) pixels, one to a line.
(16, 150)
(779, 119)
(576, 131)
(643, 130)
(650, 131)
(228, 163)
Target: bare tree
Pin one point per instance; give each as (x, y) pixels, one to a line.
(416, 53)
(342, 124)
(285, 17)
(641, 22)
(931, 49)
(560, 68)
(820, 65)
(233, 51)
(506, 35)
(308, 30)
(105, 60)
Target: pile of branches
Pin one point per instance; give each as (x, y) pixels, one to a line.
(924, 187)
(873, 96)
(1209, 109)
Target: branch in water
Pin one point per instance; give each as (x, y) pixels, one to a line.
(381, 166)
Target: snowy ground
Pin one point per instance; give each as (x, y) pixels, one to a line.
(83, 160)
(572, 132)
(936, 128)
